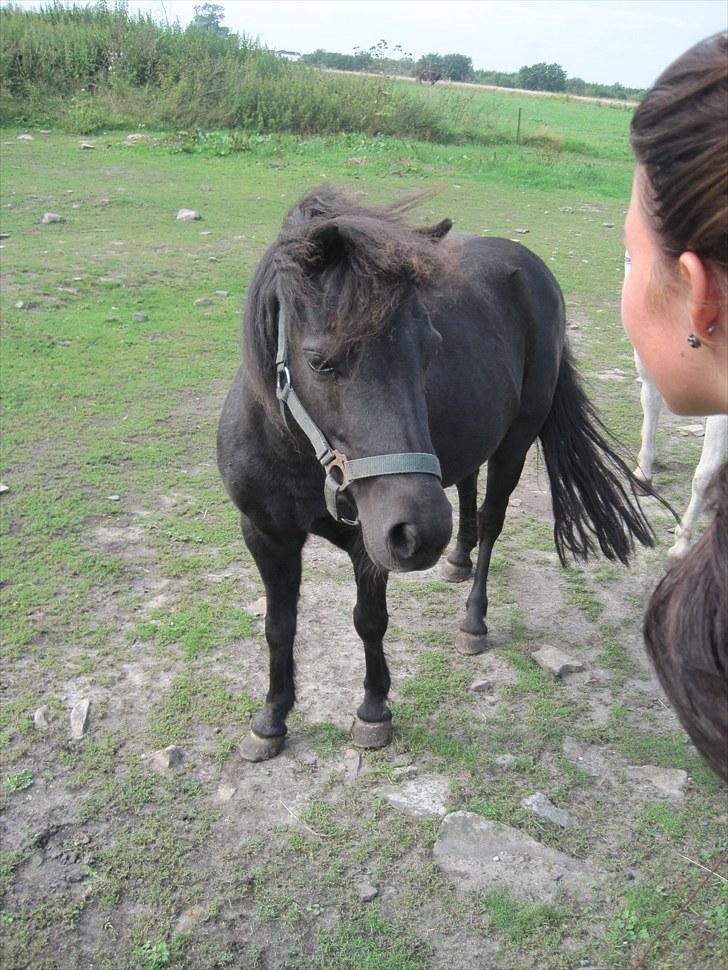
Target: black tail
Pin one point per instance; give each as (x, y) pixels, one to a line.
(588, 479)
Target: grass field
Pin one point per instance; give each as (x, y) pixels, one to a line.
(124, 581)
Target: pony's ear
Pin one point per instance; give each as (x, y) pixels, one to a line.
(326, 245)
(436, 232)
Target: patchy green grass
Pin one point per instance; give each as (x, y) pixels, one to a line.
(124, 579)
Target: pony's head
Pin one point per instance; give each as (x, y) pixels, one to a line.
(351, 283)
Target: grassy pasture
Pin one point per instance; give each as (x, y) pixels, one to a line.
(139, 601)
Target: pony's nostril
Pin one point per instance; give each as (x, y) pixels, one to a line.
(403, 540)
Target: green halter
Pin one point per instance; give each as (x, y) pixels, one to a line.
(348, 470)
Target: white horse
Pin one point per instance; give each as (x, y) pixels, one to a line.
(715, 452)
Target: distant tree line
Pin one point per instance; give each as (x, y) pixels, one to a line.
(458, 67)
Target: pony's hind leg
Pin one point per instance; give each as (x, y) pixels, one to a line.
(373, 725)
(458, 567)
(504, 471)
(279, 562)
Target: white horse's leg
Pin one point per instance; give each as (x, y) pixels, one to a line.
(651, 401)
(715, 452)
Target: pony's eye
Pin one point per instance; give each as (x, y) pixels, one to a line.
(320, 364)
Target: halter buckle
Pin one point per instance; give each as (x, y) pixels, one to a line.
(339, 461)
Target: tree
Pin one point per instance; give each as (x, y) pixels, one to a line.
(543, 77)
(457, 67)
(209, 17)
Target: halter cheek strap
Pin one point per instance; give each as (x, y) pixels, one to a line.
(340, 470)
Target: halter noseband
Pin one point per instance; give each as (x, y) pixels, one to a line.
(333, 461)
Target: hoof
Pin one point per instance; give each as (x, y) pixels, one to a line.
(452, 573)
(471, 644)
(371, 734)
(255, 748)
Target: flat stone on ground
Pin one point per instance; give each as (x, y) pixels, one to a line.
(588, 757)
(482, 855)
(669, 782)
(79, 719)
(557, 662)
(543, 806)
(422, 797)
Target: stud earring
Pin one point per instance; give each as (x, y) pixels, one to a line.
(694, 341)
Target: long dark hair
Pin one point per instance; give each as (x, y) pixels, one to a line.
(686, 634)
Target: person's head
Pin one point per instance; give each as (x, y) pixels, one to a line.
(676, 233)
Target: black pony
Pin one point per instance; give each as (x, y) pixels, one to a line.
(380, 365)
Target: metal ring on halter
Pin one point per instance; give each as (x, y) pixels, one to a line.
(283, 382)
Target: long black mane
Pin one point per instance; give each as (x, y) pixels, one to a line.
(351, 264)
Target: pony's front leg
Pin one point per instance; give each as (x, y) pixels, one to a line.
(373, 725)
(279, 561)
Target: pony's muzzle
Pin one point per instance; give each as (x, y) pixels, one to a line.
(405, 528)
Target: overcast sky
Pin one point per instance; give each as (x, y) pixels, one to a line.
(629, 41)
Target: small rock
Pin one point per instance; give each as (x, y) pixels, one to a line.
(351, 764)
(139, 318)
(542, 806)
(522, 232)
(556, 662)
(3, 489)
(25, 138)
(225, 793)
(257, 608)
(135, 138)
(608, 225)
(40, 718)
(367, 892)
(404, 771)
(698, 430)
(203, 301)
(4, 235)
(481, 687)
(50, 217)
(73, 290)
(222, 293)
(113, 498)
(420, 797)
(212, 259)
(588, 757)
(88, 146)
(79, 719)
(188, 215)
(505, 760)
(206, 232)
(670, 782)
(168, 757)
(566, 208)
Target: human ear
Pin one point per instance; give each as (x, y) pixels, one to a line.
(704, 305)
